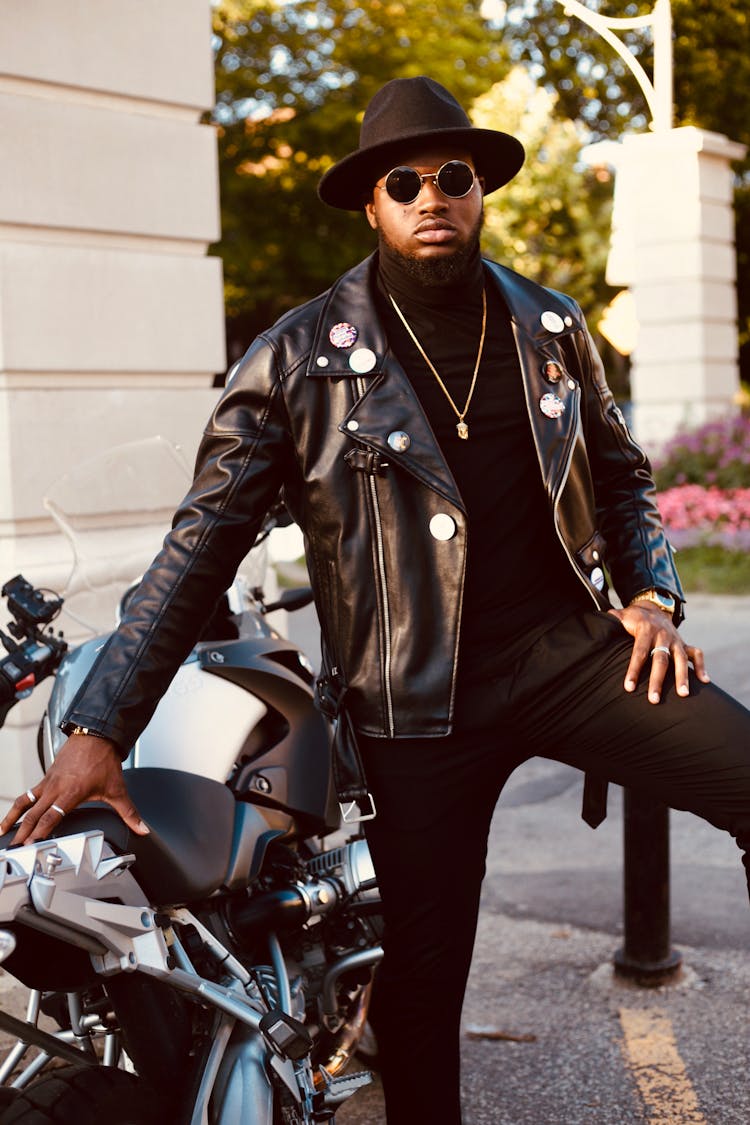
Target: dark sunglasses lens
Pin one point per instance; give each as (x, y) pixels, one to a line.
(455, 179)
(403, 184)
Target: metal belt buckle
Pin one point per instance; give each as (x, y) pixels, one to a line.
(352, 811)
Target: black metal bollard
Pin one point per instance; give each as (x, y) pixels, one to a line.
(646, 955)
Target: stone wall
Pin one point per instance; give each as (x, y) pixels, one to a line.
(111, 314)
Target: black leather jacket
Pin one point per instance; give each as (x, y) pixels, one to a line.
(388, 592)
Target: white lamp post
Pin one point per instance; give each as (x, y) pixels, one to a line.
(672, 246)
(658, 94)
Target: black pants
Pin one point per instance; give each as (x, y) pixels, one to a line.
(563, 699)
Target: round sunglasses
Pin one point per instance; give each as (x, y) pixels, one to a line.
(455, 179)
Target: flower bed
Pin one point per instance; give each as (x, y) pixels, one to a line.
(717, 453)
(695, 516)
(703, 478)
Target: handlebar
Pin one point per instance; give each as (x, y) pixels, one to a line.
(34, 651)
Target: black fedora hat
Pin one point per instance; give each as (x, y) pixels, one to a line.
(405, 114)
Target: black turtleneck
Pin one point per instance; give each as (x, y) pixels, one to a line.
(518, 581)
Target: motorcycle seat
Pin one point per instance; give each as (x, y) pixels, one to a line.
(188, 851)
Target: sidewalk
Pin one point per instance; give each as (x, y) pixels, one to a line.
(603, 1052)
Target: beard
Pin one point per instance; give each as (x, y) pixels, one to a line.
(441, 270)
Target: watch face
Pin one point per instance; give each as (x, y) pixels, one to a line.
(664, 601)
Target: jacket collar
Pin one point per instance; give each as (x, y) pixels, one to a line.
(362, 344)
(386, 402)
(543, 315)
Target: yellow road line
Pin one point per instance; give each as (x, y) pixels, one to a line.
(652, 1056)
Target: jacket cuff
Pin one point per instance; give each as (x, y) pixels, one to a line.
(79, 725)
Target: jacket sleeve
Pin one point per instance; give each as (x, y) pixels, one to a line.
(240, 468)
(638, 553)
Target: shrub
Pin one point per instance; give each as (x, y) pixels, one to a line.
(715, 454)
(694, 515)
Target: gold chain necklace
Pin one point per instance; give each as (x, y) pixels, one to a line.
(461, 428)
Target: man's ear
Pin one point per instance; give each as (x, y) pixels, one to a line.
(370, 212)
(480, 181)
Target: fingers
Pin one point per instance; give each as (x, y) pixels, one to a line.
(698, 661)
(86, 769)
(125, 808)
(659, 666)
(638, 657)
(44, 815)
(39, 824)
(681, 666)
(660, 656)
(21, 805)
(656, 642)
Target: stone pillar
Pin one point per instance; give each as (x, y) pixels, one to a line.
(111, 314)
(673, 245)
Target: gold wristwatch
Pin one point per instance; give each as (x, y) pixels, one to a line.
(664, 602)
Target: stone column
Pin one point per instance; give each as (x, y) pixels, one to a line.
(673, 245)
(111, 314)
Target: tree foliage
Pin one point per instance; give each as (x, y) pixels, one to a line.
(711, 40)
(552, 222)
(293, 79)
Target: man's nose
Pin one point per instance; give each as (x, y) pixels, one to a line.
(431, 197)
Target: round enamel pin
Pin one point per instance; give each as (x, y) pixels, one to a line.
(442, 527)
(343, 335)
(399, 441)
(551, 406)
(362, 360)
(552, 371)
(552, 322)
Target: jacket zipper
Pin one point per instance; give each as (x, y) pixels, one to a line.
(383, 590)
(562, 480)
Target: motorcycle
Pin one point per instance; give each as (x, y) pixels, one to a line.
(219, 969)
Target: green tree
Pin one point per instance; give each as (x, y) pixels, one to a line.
(552, 222)
(292, 82)
(711, 82)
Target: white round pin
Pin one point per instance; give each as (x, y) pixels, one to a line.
(362, 360)
(442, 527)
(552, 322)
(551, 406)
(353, 425)
(322, 361)
(597, 577)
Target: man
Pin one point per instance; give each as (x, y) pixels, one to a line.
(445, 437)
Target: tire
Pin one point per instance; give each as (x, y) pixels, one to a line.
(90, 1095)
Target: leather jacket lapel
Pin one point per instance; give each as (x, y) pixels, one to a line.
(385, 402)
(537, 346)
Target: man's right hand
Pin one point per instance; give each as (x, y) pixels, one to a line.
(88, 768)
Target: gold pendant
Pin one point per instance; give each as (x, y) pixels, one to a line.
(463, 430)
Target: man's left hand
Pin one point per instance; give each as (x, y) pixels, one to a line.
(657, 640)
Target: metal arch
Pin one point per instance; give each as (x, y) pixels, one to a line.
(658, 94)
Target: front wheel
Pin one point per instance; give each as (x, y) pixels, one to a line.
(89, 1095)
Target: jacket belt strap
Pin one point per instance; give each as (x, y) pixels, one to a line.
(594, 805)
(355, 800)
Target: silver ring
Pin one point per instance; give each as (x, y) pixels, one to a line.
(58, 809)
(660, 648)
(31, 796)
